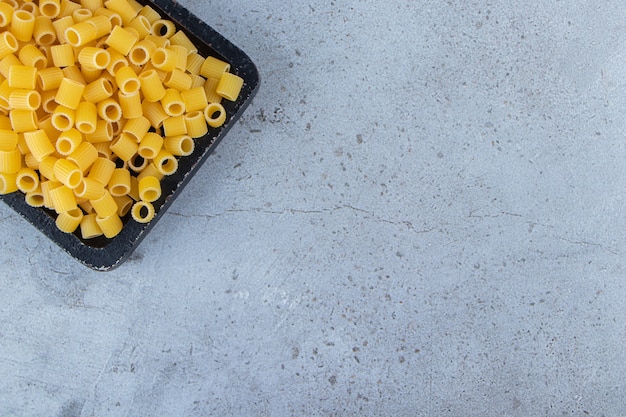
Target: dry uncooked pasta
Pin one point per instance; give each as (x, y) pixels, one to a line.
(98, 101)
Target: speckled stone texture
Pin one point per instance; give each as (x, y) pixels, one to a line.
(420, 214)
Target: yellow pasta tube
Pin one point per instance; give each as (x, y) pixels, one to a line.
(149, 189)
(49, 78)
(121, 40)
(62, 55)
(102, 24)
(137, 163)
(181, 56)
(8, 44)
(10, 161)
(150, 145)
(73, 73)
(80, 34)
(194, 99)
(92, 5)
(197, 81)
(117, 61)
(94, 57)
(43, 32)
(38, 143)
(174, 126)
(68, 173)
(90, 74)
(182, 145)
(34, 198)
(84, 156)
(31, 56)
(163, 28)
(130, 104)
(142, 212)
(142, 25)
(24, 99)
(111, 226)
(98, 90)
(103, 150)
(215, 114)
(46, 168)
(134, 188)
(119, 184)
(69, 93)
(68, 7)
(165, 162)
(135, 5)
(154, 113)
(29, 7)
(6, 14)
(69, 221)
(127, 81)
(114, 18)
(150, 14)
(137, 128)
(6, 63)
(8, 139)
(109, 110)
(104, 205)
(209, 89)
(8, 183)
(60, 25)
(89, 188)
(63, 118)
(124, 204)
(123, 8)
(89, 228)
(63, 199)
(46, 186)
(22, 25)
(86, 117)
(149, 171)
(151, 86)
(173, 103)
(229, 86)
(27, 180)
(47, 101)
(117, 127)
(124, 146)
(180, 38)
(30, 161)
(5, 94)
(164, 59)
(194, 63)
(81, 15)
(50, 8)
(214, 68)
(46, 125)
(103, 132)
(159, 41)
(141, 52)
(21, 76)
(21, 144)
(101, 170)
(178, 80)
(196, 124)
(5, 122)
(68, 142)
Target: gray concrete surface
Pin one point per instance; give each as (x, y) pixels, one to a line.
(420, 214)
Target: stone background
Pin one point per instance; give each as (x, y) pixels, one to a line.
(420, 214)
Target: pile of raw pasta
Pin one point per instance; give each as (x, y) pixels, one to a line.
(98, 100)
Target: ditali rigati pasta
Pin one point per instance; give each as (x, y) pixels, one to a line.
(98, 100)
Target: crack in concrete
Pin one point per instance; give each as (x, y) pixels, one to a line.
(369, 215)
